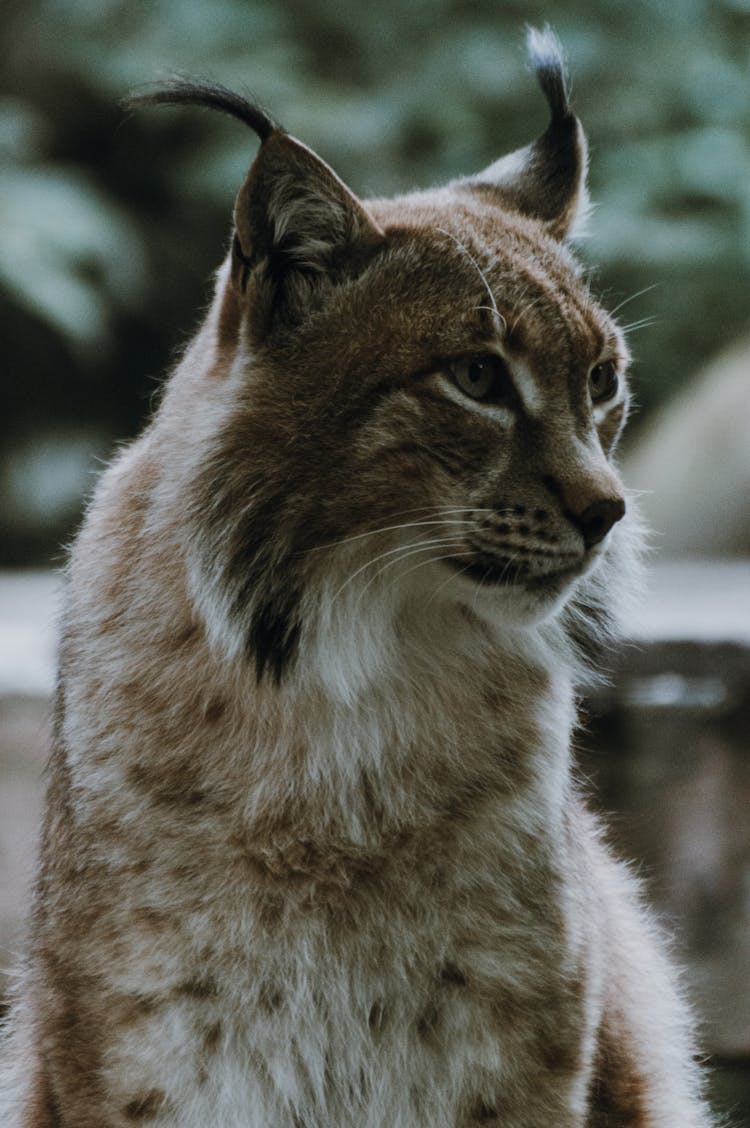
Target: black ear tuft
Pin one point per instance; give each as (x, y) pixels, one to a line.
(547, 179)
(548, 63)
(182, 91)
(296, 222)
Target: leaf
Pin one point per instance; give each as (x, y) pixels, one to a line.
(66, 252)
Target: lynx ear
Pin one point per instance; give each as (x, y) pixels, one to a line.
(297, 225)
(547, 179)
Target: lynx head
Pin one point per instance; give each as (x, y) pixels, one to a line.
(408, 408)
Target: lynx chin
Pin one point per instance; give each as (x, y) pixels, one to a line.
(313, 856)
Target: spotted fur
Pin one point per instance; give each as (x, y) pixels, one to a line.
(312, 854)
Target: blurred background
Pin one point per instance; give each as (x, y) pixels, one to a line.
(111, 224)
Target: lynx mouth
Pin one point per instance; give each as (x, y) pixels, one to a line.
(511, 572)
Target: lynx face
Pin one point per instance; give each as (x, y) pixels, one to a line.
(413, 400)
(487, 437)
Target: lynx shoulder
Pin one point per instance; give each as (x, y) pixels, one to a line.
(312, 855)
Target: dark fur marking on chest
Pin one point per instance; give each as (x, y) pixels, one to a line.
(270, 998)
(42, 1110)
(267, 601)
(451, 976)
(148, 1106)
(428, 1023)
(484, 1114)
(273, 636)
(173, 785)
(212, 1036)
(376, 1019)
(616, 1096)
(198, 988)
(260, 576)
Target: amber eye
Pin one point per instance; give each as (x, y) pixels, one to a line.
(603, 381)
(484, 378)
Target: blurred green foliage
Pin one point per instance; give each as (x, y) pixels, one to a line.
(111, 223)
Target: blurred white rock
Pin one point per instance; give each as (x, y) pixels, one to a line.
(28, 632)
(692, 463)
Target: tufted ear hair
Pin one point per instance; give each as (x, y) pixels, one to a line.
(546, 180)
(297, 226)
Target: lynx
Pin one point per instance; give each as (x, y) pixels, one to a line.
(313, 854)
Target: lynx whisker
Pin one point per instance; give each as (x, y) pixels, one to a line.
(644, 323)
(632, 297)
(413, 551)
(436, 560)
(482, 582)
(486, 512)
(524, 310)
(482, 275)
(398, 552)
(454, 509)
(489, 309)
(382, 529)
(450, 578)
(632, 492)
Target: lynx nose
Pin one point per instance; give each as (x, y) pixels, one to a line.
(598, 518)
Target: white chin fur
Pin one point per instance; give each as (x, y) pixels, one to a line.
(512, 605)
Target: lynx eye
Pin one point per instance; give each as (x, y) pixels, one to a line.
(603, 381)
(484, 378)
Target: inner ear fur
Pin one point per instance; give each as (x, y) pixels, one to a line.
(296, 224)
(546, 180)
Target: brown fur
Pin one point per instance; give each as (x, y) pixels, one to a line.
(618, 1098)
(312, 853)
